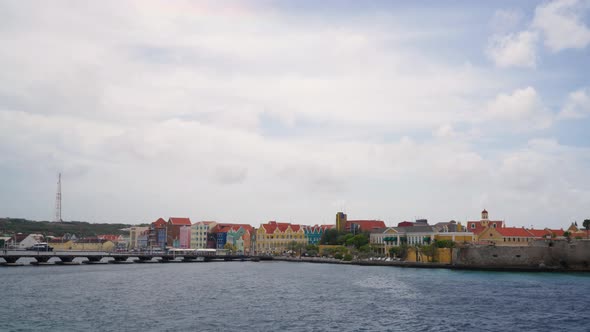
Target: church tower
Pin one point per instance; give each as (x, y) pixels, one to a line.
(484, 215)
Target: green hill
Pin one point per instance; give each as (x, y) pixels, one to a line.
(80, 228)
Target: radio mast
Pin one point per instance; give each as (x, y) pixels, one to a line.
(58, 200)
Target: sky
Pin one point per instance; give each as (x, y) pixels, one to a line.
(250, 111)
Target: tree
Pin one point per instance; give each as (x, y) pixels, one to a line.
(586, 225)
(400, 251)
(230, 247)
(312, 250)
(330, 236)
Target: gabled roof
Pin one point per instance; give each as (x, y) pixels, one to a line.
(514, 231)
(159, 223)
(273, 226)
(179, 221)
(479, 226)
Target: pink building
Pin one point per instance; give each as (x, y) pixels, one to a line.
(185, 237)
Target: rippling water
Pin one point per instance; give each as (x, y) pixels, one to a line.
(268, 296)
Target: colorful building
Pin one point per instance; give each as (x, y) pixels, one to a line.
(277, 237)
(478, 226)
(157, 236)
(239, 235)
(173, 230)
(134, 233)
(313, 234)
(200, 232)
(185, 237)
(506, 236)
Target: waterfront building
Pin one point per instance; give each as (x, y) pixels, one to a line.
(185, 237)
(134, 233)
(29, 240)
(506, 236)
(92, 244)
(276, 237)
(200, 234)
(458, 237)
(478, 226)
(173, 230)
(60, 243)
(26, 241)
(142, 239)
(384, 238)
(238, 235)
(313, 234)
(157, 236)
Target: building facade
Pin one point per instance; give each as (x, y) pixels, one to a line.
(313, 234)
(173, 230)
(277, 237)
(157, 234)
(200, 234)
(134, 233)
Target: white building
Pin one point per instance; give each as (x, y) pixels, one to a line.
(30, 240)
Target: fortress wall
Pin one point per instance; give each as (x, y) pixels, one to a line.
(542, 253)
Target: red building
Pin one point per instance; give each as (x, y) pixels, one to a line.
(356, 226)
(173, 230)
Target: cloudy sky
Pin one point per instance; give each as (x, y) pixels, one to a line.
(252, 111)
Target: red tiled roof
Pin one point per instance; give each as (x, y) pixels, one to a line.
(366, 225)
(557, 232)
(180, 221)
(539, 232)
(159, 223)
(479, 227)
(272, 226)
(514, 231)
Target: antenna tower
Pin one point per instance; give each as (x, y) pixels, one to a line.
(58, 200)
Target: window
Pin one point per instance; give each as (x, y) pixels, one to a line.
(472, 225)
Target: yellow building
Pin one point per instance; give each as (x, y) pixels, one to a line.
(506, 236)
(458, 237)
(276, 237)
(92, 245)
(59, 244)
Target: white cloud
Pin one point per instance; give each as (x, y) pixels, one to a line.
(518, 50)
(562, 24)
(523, 107)
(577, 104)
(178, 109)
